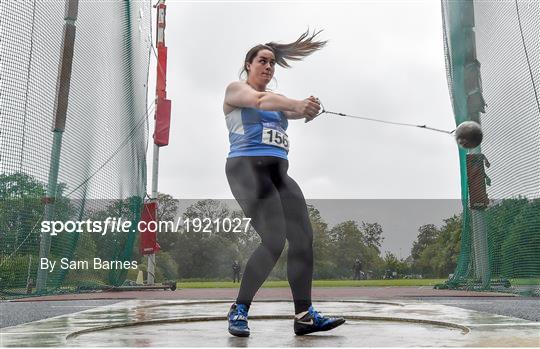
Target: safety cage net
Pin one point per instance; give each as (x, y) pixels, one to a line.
(492, 60)
(73, 136)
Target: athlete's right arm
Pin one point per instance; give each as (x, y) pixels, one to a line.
(241, 95)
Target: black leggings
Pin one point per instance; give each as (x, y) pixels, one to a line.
(278, 211)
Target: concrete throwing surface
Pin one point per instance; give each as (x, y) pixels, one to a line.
(158, 323)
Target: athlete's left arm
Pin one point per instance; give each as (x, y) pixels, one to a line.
(292, 115)
(295, 116)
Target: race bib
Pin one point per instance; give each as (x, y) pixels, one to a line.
(275, 137)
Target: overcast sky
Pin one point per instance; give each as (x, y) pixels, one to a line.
(384, 60)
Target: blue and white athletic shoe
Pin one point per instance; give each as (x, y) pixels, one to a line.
(314, 321)
(238, 324)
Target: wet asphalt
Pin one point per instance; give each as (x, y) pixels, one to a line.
(16, 313)
(527, 308)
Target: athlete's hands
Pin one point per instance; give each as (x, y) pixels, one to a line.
(316, 100)
(309, 107)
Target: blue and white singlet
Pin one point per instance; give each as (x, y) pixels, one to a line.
(256, 132)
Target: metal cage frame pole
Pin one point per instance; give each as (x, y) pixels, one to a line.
(475, 104)
(154, 196)
(162, 119)
(60, 112)
(468, 104)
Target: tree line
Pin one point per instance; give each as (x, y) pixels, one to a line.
(513, 227)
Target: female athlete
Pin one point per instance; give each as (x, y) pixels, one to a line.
(256, 170)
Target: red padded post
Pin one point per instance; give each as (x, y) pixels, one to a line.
(148, 240)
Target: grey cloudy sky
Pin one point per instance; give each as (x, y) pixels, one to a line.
(384, 60)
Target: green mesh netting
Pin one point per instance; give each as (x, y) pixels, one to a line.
(493, 55)
(102, 166)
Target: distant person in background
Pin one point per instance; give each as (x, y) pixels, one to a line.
(236, 271)
(357, 269)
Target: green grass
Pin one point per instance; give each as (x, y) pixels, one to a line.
(317, 283)
(525, 282)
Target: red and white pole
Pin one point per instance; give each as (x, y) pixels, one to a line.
(162, 117)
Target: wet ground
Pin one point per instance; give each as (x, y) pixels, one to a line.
(194, 323)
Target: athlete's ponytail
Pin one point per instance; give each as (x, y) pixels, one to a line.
(294, 51)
